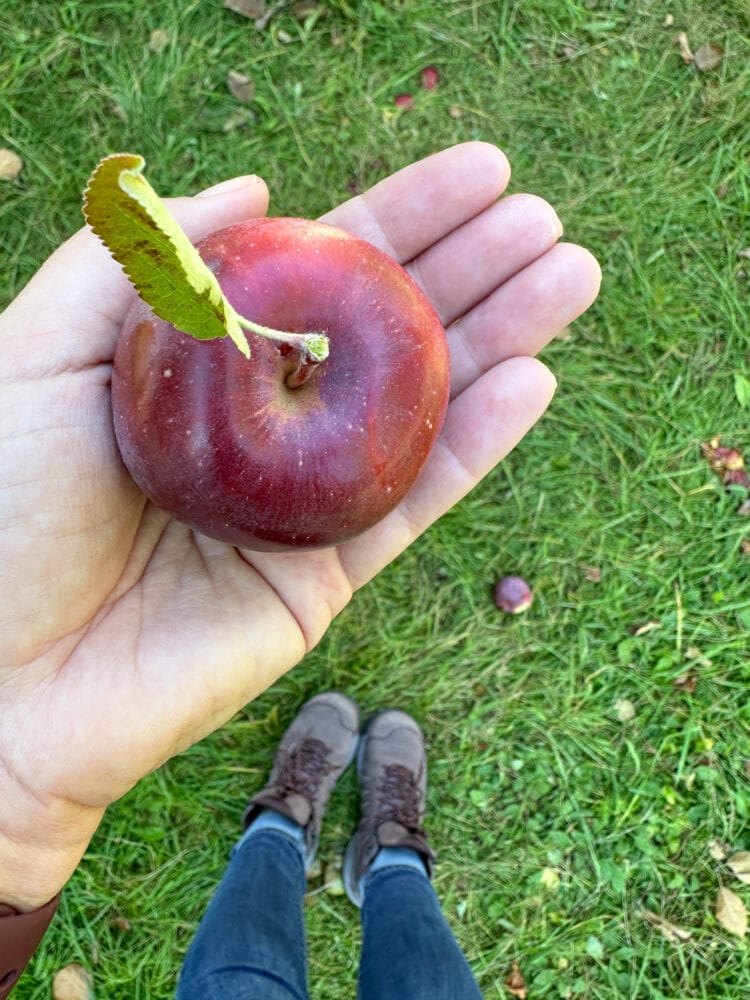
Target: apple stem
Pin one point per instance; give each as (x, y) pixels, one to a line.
(312, 347)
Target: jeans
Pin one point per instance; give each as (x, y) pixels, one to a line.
(250, 944)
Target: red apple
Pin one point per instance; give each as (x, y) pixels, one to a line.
(226, 445)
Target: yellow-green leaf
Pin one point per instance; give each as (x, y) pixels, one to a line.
(167, 271)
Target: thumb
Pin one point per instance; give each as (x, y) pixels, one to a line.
(71, 311)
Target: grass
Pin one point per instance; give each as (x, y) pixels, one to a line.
(556, 823)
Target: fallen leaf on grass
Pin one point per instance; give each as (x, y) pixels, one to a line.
(739, 865)
(745, 545)
(708, 56)
(729, 463)
(11, 165)
(624, 709)
(247, 8)
(682, 41)
(262, 22)
(332, 882)
(515, 984)
(730, 912)
(121, 923)
(643, 629)
(592, 573)
(158, 40)
(306, 8)
(686, 682)
(718, 849)
(240, 86)
(73, 982)
(671, 932)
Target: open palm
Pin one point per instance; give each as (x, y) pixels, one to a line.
(126, 636)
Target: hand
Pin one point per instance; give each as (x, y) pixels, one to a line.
(125, 636)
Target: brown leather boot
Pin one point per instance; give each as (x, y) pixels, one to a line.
(313, 754)
(392, 769)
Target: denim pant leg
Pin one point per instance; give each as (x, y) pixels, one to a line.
(250, 944)
(408, 950)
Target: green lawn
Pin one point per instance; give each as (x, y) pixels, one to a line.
(556, 823)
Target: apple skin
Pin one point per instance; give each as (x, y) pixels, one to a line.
(221, 442)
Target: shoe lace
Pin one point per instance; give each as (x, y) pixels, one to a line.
(399, 798)
(304, 768)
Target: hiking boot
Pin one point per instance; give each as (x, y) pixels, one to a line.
(315, 750)
(392, 770)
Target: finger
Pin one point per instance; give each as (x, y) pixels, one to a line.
(90, 292)
(483, 424)
(413, 208)
(469, 263)
(524, 313)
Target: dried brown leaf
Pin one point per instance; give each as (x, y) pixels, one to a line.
(739, 865)
(718, 849)
(745, 544)
(720, 458)
(515, 984)
(708, 56)
(262, 23)
(120, 922)
(240, 86)
(682, 41)
(240, 120)
(686, 682)
(306, 8)
(247, 8)
(730, 912)
(673, 933)
(11, 165)
(158, 40)
(73, 982)
(592, 573)
(722, 191)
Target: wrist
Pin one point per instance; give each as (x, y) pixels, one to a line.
(40, 848)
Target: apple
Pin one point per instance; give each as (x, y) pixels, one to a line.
(273, 452)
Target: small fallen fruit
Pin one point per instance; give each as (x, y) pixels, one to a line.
(513, 595)
(405, 101)
(429, 78)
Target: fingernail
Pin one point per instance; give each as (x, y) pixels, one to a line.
(226, 187)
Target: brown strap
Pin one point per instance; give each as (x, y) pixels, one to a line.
(20, 933)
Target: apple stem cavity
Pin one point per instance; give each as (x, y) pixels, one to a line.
(311, 347)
